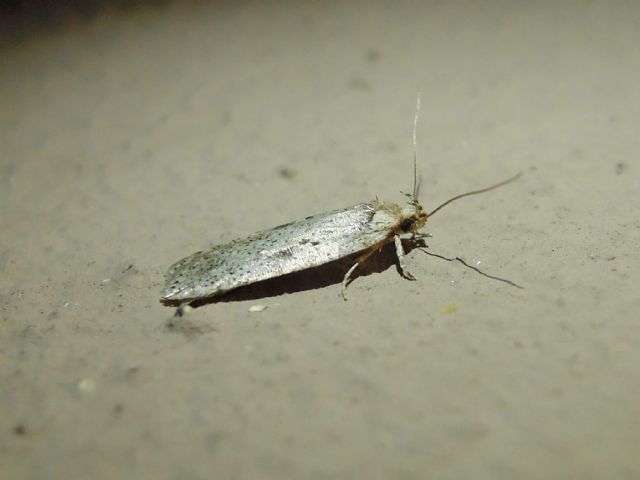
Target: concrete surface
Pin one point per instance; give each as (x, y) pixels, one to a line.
(133, 138)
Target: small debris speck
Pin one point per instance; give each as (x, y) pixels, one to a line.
(620, 168)
(449, 308)
(257, 308)
(86, 385)
(286, 173)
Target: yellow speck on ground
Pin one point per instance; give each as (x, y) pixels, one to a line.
(449, 308)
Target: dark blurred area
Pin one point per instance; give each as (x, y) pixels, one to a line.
(20, 19)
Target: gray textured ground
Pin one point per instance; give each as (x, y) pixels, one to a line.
(134, 138)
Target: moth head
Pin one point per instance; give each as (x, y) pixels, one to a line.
(413, 217)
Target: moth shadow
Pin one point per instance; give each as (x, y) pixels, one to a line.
(331, 273)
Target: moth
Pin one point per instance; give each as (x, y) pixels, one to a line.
(313, 241)
(307, 243)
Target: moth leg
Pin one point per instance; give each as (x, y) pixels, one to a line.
(345, 280)
(420, 236)
(347, 276)
(401, 256)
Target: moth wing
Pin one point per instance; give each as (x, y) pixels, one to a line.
(288, 248)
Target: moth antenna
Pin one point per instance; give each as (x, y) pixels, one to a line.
(415, 150)
(458, 259)
(474, 192)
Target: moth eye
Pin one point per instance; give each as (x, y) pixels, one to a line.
(406, 225)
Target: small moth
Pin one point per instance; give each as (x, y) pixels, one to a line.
(311, 242)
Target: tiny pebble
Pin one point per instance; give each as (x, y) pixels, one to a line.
(257, 308)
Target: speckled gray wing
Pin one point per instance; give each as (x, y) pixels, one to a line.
(288, 248)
